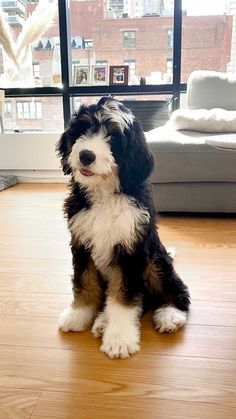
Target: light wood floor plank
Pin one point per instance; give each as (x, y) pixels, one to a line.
(192, 340)
(34, 282)
(33, 265)
(50, 305)
(86, 372)
(17, 404)
(29, 276)
(73, 406)
(51, 375)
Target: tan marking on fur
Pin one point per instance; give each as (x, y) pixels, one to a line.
(90, 292)
(115, 279)
(112, 126)
(115, 287)
(113, 175)
(87, 117)
(152, 277)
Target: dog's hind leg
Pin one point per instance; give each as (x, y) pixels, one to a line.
(169, 291)
(87, 293)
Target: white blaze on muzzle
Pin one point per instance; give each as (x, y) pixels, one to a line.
(97, 143)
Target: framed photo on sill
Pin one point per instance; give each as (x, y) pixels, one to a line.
(81, 75)
(99, 75)
(119, 74)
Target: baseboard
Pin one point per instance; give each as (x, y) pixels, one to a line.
(37, 176)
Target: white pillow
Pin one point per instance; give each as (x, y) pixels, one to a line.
(203, 120)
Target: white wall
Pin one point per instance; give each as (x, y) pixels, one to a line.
(31, 157)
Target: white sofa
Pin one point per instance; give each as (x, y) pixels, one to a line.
(195, 170)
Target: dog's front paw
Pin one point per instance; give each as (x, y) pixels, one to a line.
(99, 325)
(76, 319)
(119, 346)
(169, 319)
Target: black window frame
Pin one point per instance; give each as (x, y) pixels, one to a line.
(69, 91)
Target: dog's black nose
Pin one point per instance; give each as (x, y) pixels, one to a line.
(87, 157)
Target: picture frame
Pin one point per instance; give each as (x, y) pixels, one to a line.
(81, 75)
(119, 74)
(99, 75)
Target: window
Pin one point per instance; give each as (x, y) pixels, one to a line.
(7, 109)
(169, 66)
(88, 43)
(116, 32)
(129, 39)
(36, 70)
(133, 79)
(208, 36)
(101, 62)
(169, 71)
(36, 62)
(35, 115)
(29, 109)
(170, 38)
(120, 33)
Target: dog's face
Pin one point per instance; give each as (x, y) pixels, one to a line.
(105, 142)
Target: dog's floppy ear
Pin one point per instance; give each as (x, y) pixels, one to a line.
(137, 162)
(63, 149)
(80, 122)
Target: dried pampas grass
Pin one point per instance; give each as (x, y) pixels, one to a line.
(6, 39)
(35, 26)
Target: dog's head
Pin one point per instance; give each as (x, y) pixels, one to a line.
(102, 141)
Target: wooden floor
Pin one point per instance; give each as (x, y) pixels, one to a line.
(46, 374)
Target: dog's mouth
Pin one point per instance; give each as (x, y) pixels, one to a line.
(86, 172)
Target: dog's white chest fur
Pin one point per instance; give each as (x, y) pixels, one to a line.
(113, 219)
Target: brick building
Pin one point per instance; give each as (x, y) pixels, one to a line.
(206, 47)
(147, 41)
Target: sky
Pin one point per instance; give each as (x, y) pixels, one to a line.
(204, 7)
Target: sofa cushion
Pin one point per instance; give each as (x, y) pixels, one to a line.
(203, 120)
(195, 197)
(186, 156)
(223, 143)
(211, 89)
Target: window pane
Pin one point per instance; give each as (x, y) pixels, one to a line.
(19, 106)
(32, 110)
(7, 110)
(38, 109)
(209, 31)
(36, 72)
(37, 59)
(35, 114)
(129, 39)
(122, 32)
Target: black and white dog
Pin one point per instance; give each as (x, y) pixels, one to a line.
(120, 265)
